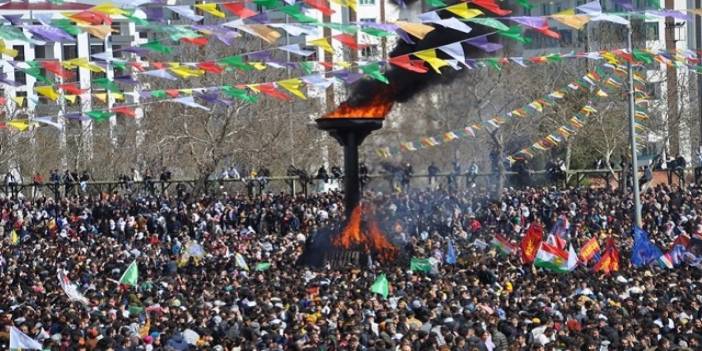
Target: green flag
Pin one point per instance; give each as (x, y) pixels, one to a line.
(373, 70)
(489, 22)
(515, 33)
(262, 266)
(157, 46)
(381, 286)
(236, 62)
(420, 265)
(131, 275)
(525, 4)
(435, 3)
(99, 115)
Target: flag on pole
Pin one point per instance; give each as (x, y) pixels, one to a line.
(380, 286)
(644, 251)
(552, 258)
(589, 249)
(14, 237)
(22, 341)
(71, 289)
(131, 275)
(530, 243)
(503, 245)
(609, 262)
(451, 256)
(262, 266)
(241, 262)
(420, 264)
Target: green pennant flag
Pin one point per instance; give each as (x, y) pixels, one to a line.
(656, 4)
(99, 116)
(107, 84)
(554, 58)
(494, 64)
(67, 26)
(373, 70)
(119, 65)
(159, 94)
(178, 32)
(381, 286)
(267, 3)
(13, 33)
(297, 14)
(236, 62)
(240, 94)
(131, 275)
(157, 46)
(346, 28)
(420, 265)
(435, 3)
(642, 56)
(515, 33)
(262, 266)
(525, 4)
(375, 32)
(306, 66)
(136, 20)
(34, 70)
(489, 22)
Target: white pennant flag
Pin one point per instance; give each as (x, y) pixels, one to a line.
(429, 17)
(47, 121)
(160, 73)
(296, 29)
(611, 18)
(71, 289)
(518, 60)
(20, 340)
(295, 49)
(186, 12)
(318, 81)
(190, 101)
(454, 23)
(455, 50)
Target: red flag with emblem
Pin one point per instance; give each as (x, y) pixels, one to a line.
(530, 242)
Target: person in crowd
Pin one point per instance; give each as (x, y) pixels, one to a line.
(84, 179)
(432, 171)
(472, 174)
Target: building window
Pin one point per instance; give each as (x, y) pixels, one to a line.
(22, 94)
(544, 9)
(117, 51)
(116, 28)
(368, 20)
(366, 2)
(20, 77)
(651, 30)
(69, 52)
(96, 49)
(370, 51)
(40, 52)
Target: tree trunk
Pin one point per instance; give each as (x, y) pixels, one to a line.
(569, 152)
(500, 170)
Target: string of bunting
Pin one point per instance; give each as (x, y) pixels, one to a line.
(531, 109)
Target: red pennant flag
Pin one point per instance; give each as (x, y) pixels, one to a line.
(137, 66)
(199, 41)
(93, 18)
(609, 262)
(321, 5)
(538, 59)
(56, 68)
(157, 65)
(2, 100)
(531, 241)
(405, 62)
(269, 89)
(327, 65)
(210, 66)
(172, 92)
(239, 9)
(72, 89)
(3, 125)
(491, 6)
(350, 41)
(626, 56)
(125, 111)
(545, 30)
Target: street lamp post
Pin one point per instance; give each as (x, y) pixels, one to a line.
(632, 133)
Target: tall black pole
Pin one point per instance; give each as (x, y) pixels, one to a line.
(352, 186)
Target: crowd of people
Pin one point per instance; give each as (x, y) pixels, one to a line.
(221, 273)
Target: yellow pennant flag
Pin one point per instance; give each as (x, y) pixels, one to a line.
(601, 93)
(47, 91)
(186, 91)
(211, 9)
(416, 29)
(98, 31)
(108, 9)
(118, 96)
(253, 87)
(293, 86)
(570, 19)
(462, 10)
(322, 43)
(19, 124)
(101, 96)
(82, 62)
(610, 57)
(346, 3)
(262, 31)
(14, 237)
(19, 100)
(344, 64)
(258, 65)
(7, 51)
(71, 98)
(430, 57)
(186, 72)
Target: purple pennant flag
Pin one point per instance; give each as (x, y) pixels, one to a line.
(259, 18)
(154, 13)
(15, 20)
(224, 35)
(210, 97)
(529, 21)
(144, 95)
(347, 76)
(259, 55)
(49, 33)
(127, 79)
(671, 13)
(4, 80)
(75, 116)
(224, 101)
(626, 4)
(404, 36)
(137, 50)
(482, 43)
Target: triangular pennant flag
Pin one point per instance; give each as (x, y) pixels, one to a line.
(591, 8)
(262, 31)
(131, 275)
(211, 8)
(490, 22)
(71, 98)
(405, 62)
(186, 11)
(295, 49)
(455, 50)
(19, 124)
(373, 70)
(101, 96)
(270, 90)
(429, 56)
(21, 341)
(322, 43)
(491, 6)
(190, 102)
(48, 92)
(19, 100)
(350, 41)
(321, 5)
(418, 30)
(293, 86)
(187, 72)
(570, 19)
(99, 31)
(462, 10)
(239, 8)
(124, 110)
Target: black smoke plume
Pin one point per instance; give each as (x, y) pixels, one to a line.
(405, 84)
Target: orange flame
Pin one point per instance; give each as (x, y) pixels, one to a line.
(370, 239)
(378, 107)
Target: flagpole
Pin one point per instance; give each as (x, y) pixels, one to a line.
(632, 133)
